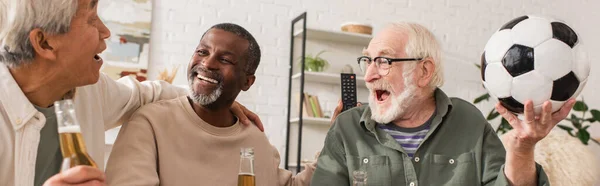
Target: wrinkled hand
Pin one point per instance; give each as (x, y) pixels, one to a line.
(246, 116)
(79, 175)
(338, 109)
(534, 127)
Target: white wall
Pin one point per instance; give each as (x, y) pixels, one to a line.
(463, 27)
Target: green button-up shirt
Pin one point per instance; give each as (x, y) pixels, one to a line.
(460, 149)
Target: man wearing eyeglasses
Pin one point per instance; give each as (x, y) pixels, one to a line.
(411, 133)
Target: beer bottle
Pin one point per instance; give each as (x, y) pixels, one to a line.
(246, 174)
(72, 145)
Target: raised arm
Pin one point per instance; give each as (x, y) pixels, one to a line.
(123, 97)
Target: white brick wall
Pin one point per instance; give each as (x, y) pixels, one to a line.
(463, 27)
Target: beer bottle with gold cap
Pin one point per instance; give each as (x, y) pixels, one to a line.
(72, 145)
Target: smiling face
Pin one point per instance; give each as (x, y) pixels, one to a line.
(216, 72)
(392, 94)
(77, 50)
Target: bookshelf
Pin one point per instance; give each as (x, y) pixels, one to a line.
(305, 134)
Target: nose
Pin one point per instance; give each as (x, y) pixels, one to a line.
(372, 74)
(210, 62)
(103, 30)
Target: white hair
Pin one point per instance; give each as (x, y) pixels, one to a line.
(423, 44)
(19, 17)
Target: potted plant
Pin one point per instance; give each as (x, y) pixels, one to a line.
(315, 63)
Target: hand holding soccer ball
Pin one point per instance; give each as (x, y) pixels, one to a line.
(533, 58)
(530, 66)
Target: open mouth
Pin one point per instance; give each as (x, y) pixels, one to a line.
(207, 79)
(382, 95)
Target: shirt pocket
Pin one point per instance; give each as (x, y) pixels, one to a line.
(454, 170)
(377, 167)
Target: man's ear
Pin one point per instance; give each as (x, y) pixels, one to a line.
(40, 41)
(249, 82)
(427, 69)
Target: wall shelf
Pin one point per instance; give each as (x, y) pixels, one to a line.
(329, 78)
(336, 36)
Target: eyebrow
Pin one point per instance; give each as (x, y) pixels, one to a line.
(365, 52)
(384, 51)
(93, 4)
(202, 45)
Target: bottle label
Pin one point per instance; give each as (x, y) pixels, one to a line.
(69, 129)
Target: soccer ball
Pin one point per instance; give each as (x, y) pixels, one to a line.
(533, 58)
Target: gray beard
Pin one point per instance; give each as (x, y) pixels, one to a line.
(398, 107)
(205, 100)
(399, 104)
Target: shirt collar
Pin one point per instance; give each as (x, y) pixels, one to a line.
(442, 104)
(18, 108)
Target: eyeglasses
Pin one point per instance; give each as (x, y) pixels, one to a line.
(383, 64)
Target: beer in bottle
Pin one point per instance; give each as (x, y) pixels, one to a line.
(72, 145)
(246, 174)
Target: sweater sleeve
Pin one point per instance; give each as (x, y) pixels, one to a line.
(287, 179)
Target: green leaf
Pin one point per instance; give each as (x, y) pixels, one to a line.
(584, 136)
(504, 127)
(478, 66)
(321, 52)
(575, 121)
(591, 120)
(586, 127)
(492, 115)
(595, 114)
(481, 98)
(580, 106)
(567, 128)
(564, 127)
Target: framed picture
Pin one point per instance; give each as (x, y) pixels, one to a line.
(128, 47)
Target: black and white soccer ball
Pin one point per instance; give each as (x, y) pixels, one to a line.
(533, 58)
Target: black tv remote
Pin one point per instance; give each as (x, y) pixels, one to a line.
(348, 91)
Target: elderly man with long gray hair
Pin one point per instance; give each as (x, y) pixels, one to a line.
(49, 51)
